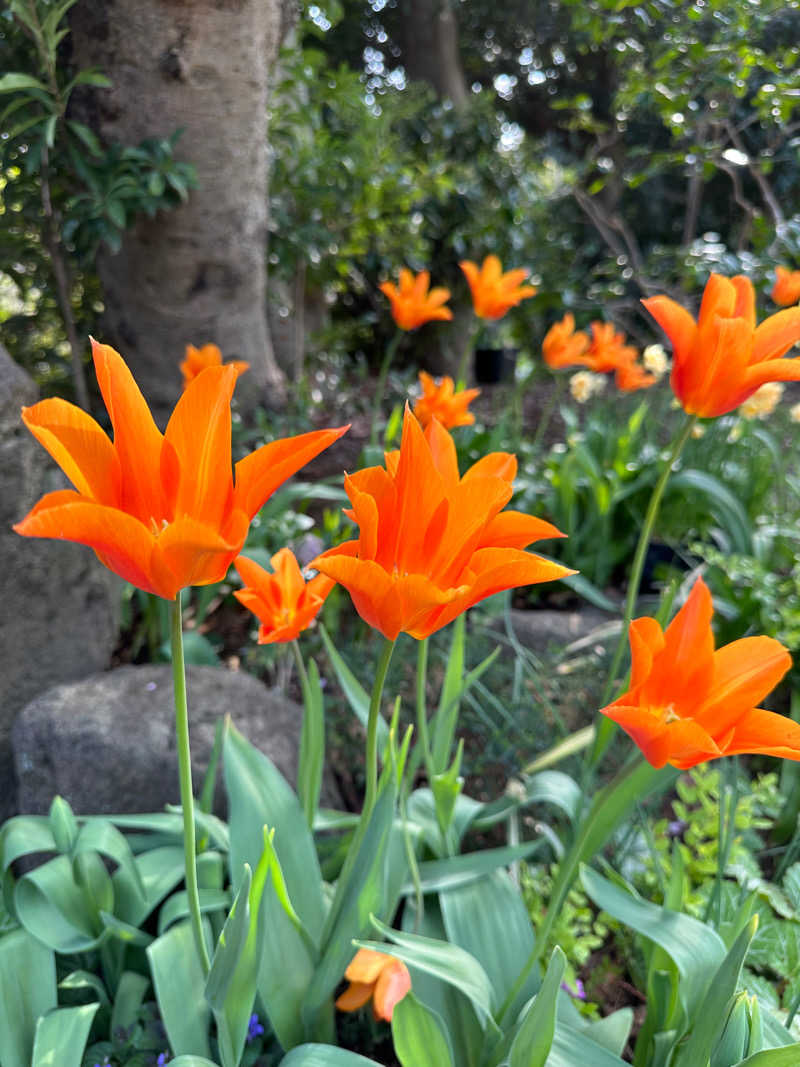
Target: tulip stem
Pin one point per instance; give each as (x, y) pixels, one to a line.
(547, 415)
(606, 727)
(372, 729)
(422, 710)
(185, 776)
(380, 387)
(463, 363)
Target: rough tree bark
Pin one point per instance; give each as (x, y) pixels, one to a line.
(196, 274)
(430, 48)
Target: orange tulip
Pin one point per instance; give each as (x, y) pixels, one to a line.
(786, 290)
(687, 703)
(633, 376)
(607, 350)
(493, 292)
(562, 347)
(198, 359)
(432, 544)
(412, 304)
(442, 402)
(379, 976)
(161, 511)
(283, 602)
(722, 358)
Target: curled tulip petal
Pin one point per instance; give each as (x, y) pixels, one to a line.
(283, 602)
(441, 401)
(411, 302)
(495, 293)
(378, 976)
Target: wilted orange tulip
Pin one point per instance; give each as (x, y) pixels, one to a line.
(607, 350)
(493, 292)
(283, 602)
(198, 359)
(722, 358)
(687, 703)
(440, 401)
(786, 290)
(377, 975)
(161, 511)
(432, 544)
(562, 346)
(412, 304)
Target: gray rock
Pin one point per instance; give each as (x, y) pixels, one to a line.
(107, 743)
(544, 629)
(60, 606)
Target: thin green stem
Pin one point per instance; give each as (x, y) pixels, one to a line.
(463, 363)
(605, 729)
(380, 386)
(301, 667)
(372, 729)
(422, 708)
(185, 776)
(547, 414)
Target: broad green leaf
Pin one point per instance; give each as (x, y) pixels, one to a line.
(788, 1056)
(546, 787)
(260, 796)
(532, 1044)
(724, 505)
(179, 985)
(52, 906)
(160, 870)
(324, 1056)
(488, 919)
(695, 948)
(85, 980)
(61, 1037)
(613, 1031)
(177, 907)
(443, 724)
(129, 935)
(312, 744)
(419, 1035)
(27, 992)
(23, 835)
(191, 1061)
(361, 893)
(708, 1016)
(445, 874)
(732, 1044)
(572, 1048)
(63, 824)
(443, 960)
(357, 696)
(130, 995)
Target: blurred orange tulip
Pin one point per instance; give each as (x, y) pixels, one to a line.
(197, 359)
(562, 346)
(687, 703)
(607, 350)
(493, 292)
(283, 602)
(379, 976)
(432, 544)
(786, 290)
(632, 376)
(412, 304)
(723, 357)
(440, 401)
(162, 511)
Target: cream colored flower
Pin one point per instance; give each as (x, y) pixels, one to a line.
(763, 401)
(698, 431)
(794, 412)
(584, 385)
(655, 360)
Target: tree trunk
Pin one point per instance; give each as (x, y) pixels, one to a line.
(196, 274)
(430, 48)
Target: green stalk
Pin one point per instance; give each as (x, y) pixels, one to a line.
(383, 374)
(547, 414)
(463, 363)
(372, 729)
(422, 710)
(606, 727)
(185, 776)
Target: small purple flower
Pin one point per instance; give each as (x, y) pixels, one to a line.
(579, 992)
(162, 1059)
(676, 827)
(254, 1028)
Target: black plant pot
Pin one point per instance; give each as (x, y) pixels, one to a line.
(494, 365)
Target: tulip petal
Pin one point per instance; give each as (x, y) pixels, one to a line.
(496, 464)
(205, 486)
(259, 474)
(646, 640)
(198, 554)
(515, 529)
(776, 335)
(676, 322)
(122, 543)
(443, 452)
(744, 672)
(773, 370)
(79, 446)
(392, 985)
(137, 439)
(355, 996)
(765, 733)
(683, 670)
(366, 966)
